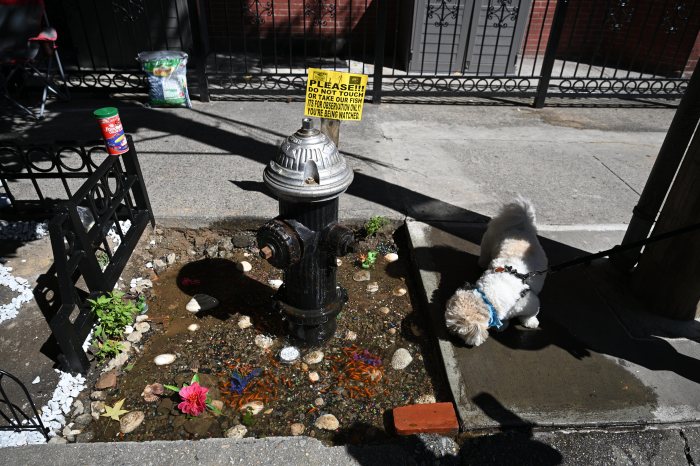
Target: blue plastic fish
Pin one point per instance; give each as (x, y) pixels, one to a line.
(240, 382)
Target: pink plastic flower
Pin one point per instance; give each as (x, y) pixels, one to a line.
(194, 399)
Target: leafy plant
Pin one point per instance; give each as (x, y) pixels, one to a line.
(108, 349)
(367, 260)
(113, 314)
(247, 419)
(374, 224)
(102, 259)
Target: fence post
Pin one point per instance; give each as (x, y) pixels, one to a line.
(379, 45)
(200, 44)
(550, 52)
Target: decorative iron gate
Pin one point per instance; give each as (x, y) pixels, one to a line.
(522, 48)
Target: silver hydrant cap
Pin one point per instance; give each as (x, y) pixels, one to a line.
(307, 167)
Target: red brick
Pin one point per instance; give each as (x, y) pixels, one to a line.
(435, 418)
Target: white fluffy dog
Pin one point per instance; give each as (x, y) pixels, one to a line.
(510, 251)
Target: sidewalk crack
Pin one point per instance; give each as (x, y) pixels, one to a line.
(686, 449)
(616, 175)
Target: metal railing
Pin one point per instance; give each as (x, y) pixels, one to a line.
(101, 221)
(422, 48)
(13, 414)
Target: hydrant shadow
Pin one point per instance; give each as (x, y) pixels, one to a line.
(237, 292)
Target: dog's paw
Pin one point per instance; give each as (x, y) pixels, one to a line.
(531, 322)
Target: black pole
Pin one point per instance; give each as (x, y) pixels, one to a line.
(663, 172)
(200, 44)
(379, 45)
(550, 52)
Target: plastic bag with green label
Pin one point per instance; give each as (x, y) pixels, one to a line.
(167, 78)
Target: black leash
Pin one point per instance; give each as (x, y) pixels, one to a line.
(609, 252)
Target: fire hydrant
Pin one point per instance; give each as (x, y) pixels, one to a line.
(307, 176)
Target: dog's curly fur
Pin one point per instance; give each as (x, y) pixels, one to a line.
(510, 240)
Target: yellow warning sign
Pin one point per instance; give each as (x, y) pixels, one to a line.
(335, 95)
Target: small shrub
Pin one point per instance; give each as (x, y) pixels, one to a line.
(113, 314)
(374, 224)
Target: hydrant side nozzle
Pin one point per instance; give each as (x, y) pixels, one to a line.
(340, 240)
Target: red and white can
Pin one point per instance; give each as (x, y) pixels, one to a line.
(112, 130)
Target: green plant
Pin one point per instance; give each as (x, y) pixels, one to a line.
(374, 224)
(367, 260)
(102, 259)
(108, 349)
(113, 314)
(247, 419)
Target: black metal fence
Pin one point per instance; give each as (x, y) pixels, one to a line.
(106, 211)
(14, 416)
(523, 48)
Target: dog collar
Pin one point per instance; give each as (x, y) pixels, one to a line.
(494, 321)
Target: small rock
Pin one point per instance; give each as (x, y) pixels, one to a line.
(319, 401)
(338, 262)
(96, 409)
(85, 437)
(57, 441)
(151, 391)
(78, 408)
(425, 399)
(254, 407)
(164, 359)
(401, 359)
(289, 354)
(130, 421)
(327, 422)
(82, 421)
(128, 330)
(36, 380)
(126, 347)
(267, 412)
(159, 264)
(244, 322)
(98, 396)
(212, 251)
(193, 306)
(361, 276)
(141, 318)
(296, 429)
(193, 327)
(314, 377)
(304, 366)
(201, 302)
(391, 331)
(107, 380)
(149, 265)
(384, 310)
(237, 432)
(391, 257)
(142, 327)
(350, 335)
(263, 341)
(134, 337)
(373, 287)
(218, 404)
(170, 258)
(275, 284)
(314, 357)
(244, 266)
(400, 291)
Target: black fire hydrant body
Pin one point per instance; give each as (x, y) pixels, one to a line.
(307, 176)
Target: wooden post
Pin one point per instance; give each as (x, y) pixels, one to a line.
(331, 128)
(668, 273)
(667, 162)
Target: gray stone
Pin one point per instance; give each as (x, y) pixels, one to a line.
(212, 251)
(401, 359)
(98, 395)
(361, 276)
(78, 408)
(170, 258)
(57, 441)
(82, 421)
(131, 421)
(85, 437)
(237, 432)
(134, 337)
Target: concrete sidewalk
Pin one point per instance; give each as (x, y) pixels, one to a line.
(450, 168)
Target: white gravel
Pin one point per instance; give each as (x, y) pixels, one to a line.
(20, 286)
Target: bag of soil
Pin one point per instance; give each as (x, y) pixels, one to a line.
(167, 78)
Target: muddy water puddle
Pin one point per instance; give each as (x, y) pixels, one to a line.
(354, 381)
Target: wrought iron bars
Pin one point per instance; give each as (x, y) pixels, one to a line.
(19, 420)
